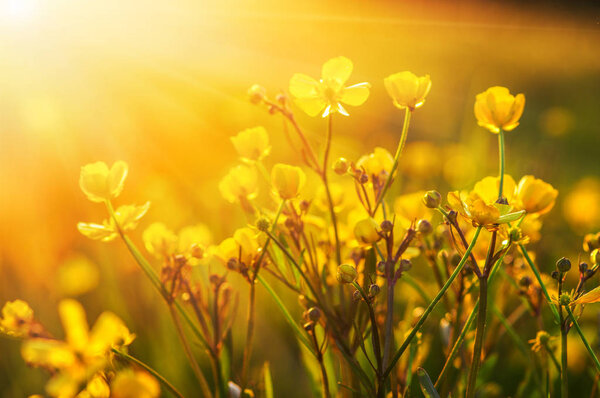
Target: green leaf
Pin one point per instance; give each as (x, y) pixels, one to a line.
(426, 384)
(268, 380)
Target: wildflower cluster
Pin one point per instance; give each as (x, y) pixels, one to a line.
(343, 251)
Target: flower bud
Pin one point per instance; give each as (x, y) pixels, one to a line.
(346, 273)
(595, 256)
(583, 267)
(424, 227)
(405, 264)
(257, 93)
(233, 264)
(563, 265)
(374, 290)
(313, 314)
(565, 299)
(356, 296)
(555, 275)
(309, 326)
(263, 224)
(287, 180)
(525, 281)
(363, 179)
(340, 166)
(407, 89)
(386, 226)
(366, 231)
(432, 199)
(381, 266)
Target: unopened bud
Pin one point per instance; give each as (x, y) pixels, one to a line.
(197, 250)
(309, 326)
(386, 226)
(374, 290)
(525, 281)
(405, 264)
(313, 314)
(363, 179)
(340, 166)
(263, 224)
(233, 264)
(424, 227)
(555, 275)
(346, 273)
(257, 93)
(583, 267)
(304, 205)
(356, 296)
(432, 199)
(563, 265)
(381, 266)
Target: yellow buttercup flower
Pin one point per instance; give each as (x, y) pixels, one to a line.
(329, 93)
(243, 247)
(287, 180)
(535, 195)
(159, 240)
(488, 187)
(239, 184)
(134, 384)
(377, 162)
(128, 217)
(407, 89)
(83, 353)
(17, 317)
(99, 183)
(366, 231)
(496, 109)
(252, 144)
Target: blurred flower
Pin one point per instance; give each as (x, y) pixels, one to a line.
(581, 207)
(252, 144)
(530, 228)
(82, 354)
(287, 180)
(76, 276)
(17, 317)
(243, 247)
(193, 239)
(496, 109)
(134, 384)
(329, 93)
(366, 231)
(557, 121)
(410, 207)
(535, 195)
(159, 240)
(241, 183)
(407, 89)
(128, 217)
(542, 339)
(256, 93)
(97, 387)
(99, 183)
(377, 162)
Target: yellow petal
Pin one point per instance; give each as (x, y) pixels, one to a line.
(46, 352)
(356, 94)
(338, 69)
(303, 86)
(97, 231)
(593, 296)
(116, 178)
(108, 331)
(72, 316)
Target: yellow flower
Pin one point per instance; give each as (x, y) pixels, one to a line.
(407, 89)
(76, 276)
(128, 217)
(366, 231)
(496, 109)
(252, 144)
(83, 353)
(376, 163)
(159, 240)
(193, 240)
(134, 384)
(329, 93)
(17, 317)
(535, 195)
(241, 183)
(487, 188)
(243, 246)
(99, 183)
(287, 180)
(581, 207)
(410, 208)
(482, 212)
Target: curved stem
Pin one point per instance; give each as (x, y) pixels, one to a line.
(148, 369)
(338, 249)
(564, 379)
(390, 178)
(481, 315)
(501, 156)
(432, 305)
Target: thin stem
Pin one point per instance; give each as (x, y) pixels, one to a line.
(585, 342)
(432, 305)
(148, 369)
(374, 328)
(338, 249)
(481, 315)
(501, 154)
(390, 177)
(324, 378)
(564, 380)
(190, 356)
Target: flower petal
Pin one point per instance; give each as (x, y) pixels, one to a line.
(312, 106)
(356, 94)
(303, 86)
(338, 68)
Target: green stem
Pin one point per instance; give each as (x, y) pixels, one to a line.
(374, 328)
(148, 369)
(432, 305)
(585, 342)
(538, 277)
(390, 177)
(338, 249)
(501, 153)
(564, 380)
(481, 315)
